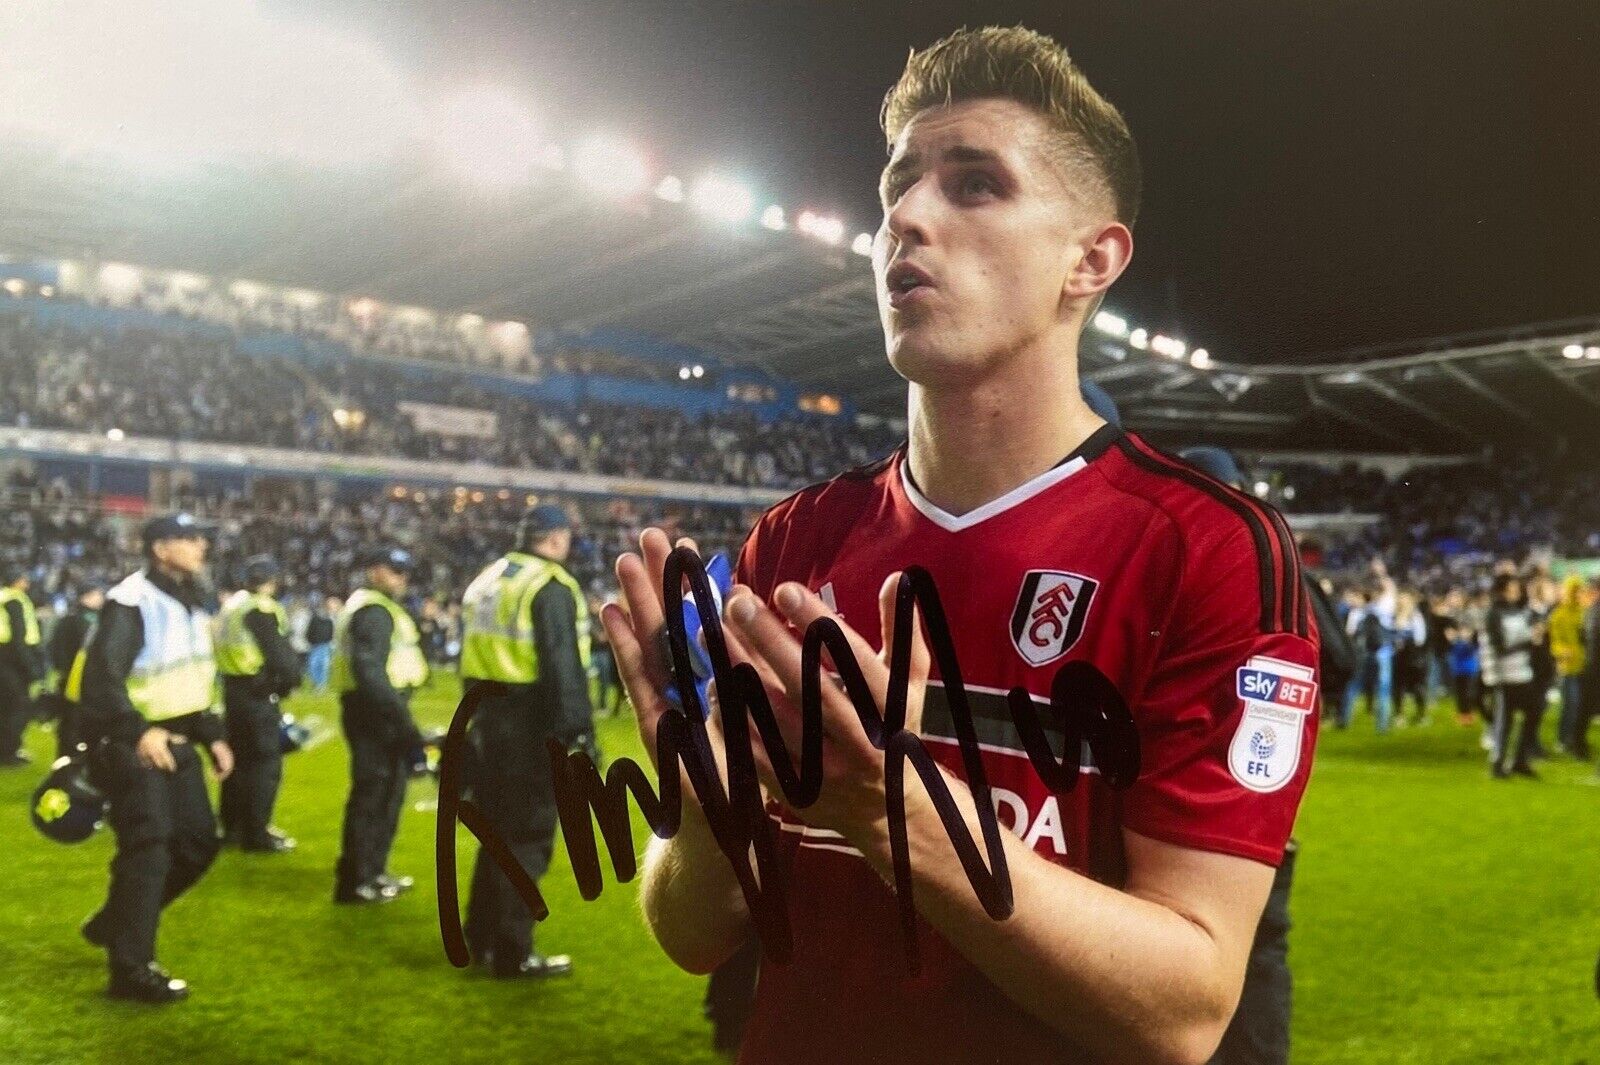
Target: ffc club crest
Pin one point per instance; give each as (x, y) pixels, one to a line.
(1050, 612)
(1277, 698)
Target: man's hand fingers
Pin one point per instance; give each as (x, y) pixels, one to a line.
(638, 676)
(801, 607)
(642, 593)
(920, 658)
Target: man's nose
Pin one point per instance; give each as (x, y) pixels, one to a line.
(911, 218)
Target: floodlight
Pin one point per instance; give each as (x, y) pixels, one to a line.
(722, 198)
(1111, 324)
(670, 189)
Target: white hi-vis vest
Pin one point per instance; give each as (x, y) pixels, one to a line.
(176, 670)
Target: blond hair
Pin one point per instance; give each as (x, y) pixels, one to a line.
(1014, 63)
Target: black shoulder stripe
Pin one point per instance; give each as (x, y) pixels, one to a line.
(1291, 570)
(1290, 591)
(1258, 530)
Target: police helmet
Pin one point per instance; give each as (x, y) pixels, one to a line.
(65, 806)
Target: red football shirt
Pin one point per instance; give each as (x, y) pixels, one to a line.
(1184, 593)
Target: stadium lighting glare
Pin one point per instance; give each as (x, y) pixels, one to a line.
(683, 373)
(699, 371)
(1110, 324)
(862, 245)
(1139, 339)
(47, 291)
(1200, 359)
(119, 281)
(180, 82)
(304, 298)
(611, 166)
(1288, 492)
(553, 157)
(1165, 345)
(115, 434)
(1262, 488)
(820, 227)
(486, 136)
(670, 189)
(722, 198)
(469, 322)
(364, 307)
(15, 286)
(246, 291)
(1591, 353)
(1572, 351)
(772, 218)
(187, 282)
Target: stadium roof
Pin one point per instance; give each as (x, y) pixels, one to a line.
(556, 255)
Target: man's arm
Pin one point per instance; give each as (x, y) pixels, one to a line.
(108, 660)
(1150, 973)
(555, 637)
(370, 631)
(280, 673)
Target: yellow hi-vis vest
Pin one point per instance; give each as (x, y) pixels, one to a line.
(30, 620)
(406, 668)
(175, 672)
(497, 640)
(238, 654)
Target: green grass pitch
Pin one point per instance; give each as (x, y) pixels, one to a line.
(1439, 917)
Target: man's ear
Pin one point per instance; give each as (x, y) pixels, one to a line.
(1103, 254)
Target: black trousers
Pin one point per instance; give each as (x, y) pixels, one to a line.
(1259, 1031)
(166, 840)
(16, 710)
(378, 775)
(250, 792)
(511, 782)
(1511, 701)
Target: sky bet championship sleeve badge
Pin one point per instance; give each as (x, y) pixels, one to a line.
(1049, 615)
(1277, 697)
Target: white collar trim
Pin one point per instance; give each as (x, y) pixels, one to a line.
(1020, 494)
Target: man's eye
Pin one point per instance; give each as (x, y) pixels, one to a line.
(976, 184)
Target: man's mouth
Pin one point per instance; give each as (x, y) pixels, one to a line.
(907, 283)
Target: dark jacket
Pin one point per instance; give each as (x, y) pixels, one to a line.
(68, 637)
(561, 694)
(107, 712)
(280, 670)
(319, 629)
(375, 704)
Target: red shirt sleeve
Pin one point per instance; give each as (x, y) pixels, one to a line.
(1228, 720)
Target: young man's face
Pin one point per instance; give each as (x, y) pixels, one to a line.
(186, 555)
(973, 201)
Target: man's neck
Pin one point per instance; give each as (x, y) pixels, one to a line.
(972, 445)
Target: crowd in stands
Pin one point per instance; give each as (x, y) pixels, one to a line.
(190, 388)
(67, 543)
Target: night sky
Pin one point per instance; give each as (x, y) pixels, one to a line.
(1319, 176)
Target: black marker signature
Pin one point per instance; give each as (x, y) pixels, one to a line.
(1088, 705)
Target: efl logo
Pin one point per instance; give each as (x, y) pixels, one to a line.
(1262, 686)
(1279, 699)
(1051, 609)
